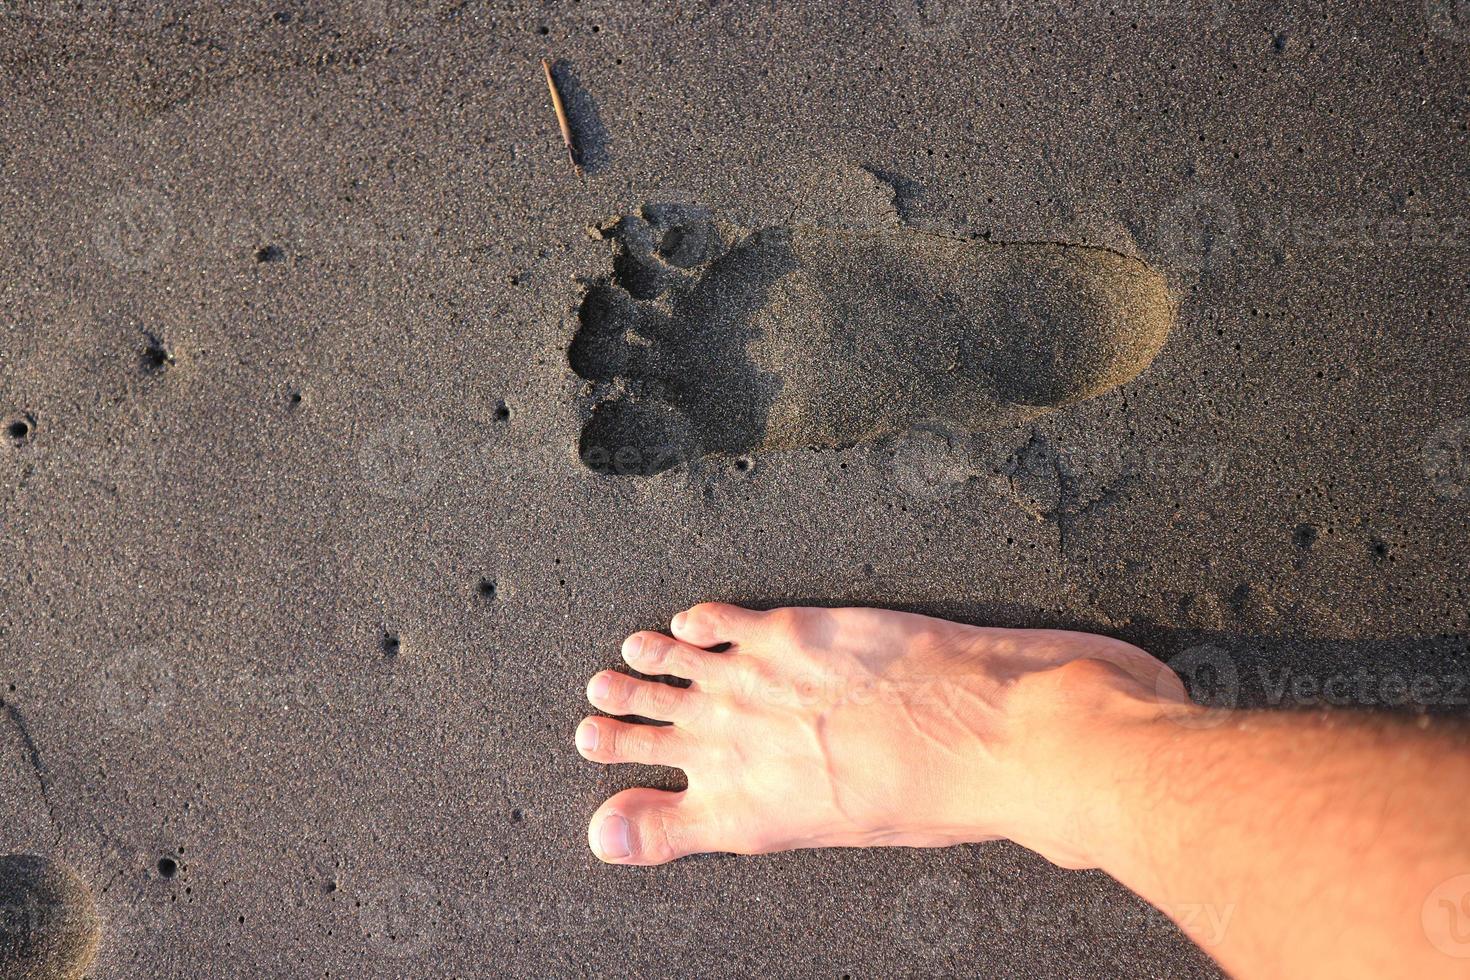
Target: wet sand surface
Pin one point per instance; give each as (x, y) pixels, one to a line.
(315, 518)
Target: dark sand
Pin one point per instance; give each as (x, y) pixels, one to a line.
(302, 573)
(48, 919)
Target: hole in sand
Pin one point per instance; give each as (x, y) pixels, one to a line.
(1304, 536)
(487, 588)
(269, 253)
(502, 412)
(19, 430)
(156, 355)
(392, 643)
(167, 867)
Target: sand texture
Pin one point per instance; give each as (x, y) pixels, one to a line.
(345, 430)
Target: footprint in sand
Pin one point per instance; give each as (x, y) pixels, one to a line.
(711, 339)
(48, 921)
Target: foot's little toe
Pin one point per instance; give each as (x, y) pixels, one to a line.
(609, 740)
(648, 826)
(619, 694)
(713, 623)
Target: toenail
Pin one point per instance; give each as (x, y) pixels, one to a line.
(633, 645)
(587, 737)
(679, 620)
(612, 837)
(600, 687)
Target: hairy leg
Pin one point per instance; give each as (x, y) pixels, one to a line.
(1286, 844)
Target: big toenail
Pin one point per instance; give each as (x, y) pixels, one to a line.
(600, 687)
(587, 737)
(613, 837)
(678, 620)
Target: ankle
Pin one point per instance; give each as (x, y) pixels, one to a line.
(1083, 730)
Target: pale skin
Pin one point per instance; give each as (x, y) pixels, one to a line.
(1286, 844)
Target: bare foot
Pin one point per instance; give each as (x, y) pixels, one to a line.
(855, 728)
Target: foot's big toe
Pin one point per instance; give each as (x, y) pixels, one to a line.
(648, 826)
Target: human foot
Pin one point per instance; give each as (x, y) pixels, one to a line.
(852, 728)
(707, 338)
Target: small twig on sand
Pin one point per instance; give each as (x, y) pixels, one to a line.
(561, 116)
